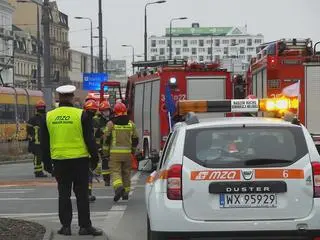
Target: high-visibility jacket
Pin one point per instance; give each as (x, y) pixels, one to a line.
(66, 135)
(121, 140)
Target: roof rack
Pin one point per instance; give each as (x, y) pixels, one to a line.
(145, 64)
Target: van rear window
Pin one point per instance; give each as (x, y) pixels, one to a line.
(245, 146)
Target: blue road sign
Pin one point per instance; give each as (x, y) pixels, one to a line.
(92, 81)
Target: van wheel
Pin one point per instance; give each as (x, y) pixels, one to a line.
(152, 235)
(146, 152)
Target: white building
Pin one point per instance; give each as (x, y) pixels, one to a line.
(25, 59)
(80, 62)
(207, 44)
(6, 42)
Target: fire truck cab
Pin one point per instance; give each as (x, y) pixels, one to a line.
(147, 94)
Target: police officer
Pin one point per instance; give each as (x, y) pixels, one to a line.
(68, 141)
(100, 121)
(91, 107)
(33, 132)
(122, 138)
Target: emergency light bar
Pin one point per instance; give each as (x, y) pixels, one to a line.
(238, 105)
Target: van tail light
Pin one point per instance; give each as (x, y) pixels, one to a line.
(316, 179)
(174, 182)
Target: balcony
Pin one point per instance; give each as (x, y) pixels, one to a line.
(66, 45)
(6, 34)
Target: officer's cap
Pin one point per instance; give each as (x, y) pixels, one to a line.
(66, 89)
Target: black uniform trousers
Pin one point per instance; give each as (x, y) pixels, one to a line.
(68, 173)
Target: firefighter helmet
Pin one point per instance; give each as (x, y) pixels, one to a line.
(104, 105)
(120, 109)
(40, 104)
(89, 98)
(91, 105)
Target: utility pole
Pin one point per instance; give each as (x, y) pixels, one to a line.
(100, 67)
(106, 56)
(46, 56)
(39, 48)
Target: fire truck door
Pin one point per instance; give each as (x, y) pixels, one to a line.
(207, 88)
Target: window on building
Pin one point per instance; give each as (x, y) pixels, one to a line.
(250, 49)
(177, 42)
(241, 41)
(209, 50)
(225, 41)
(218, 50)
(168, 43)
(225, 50)
(153, 58)
(153, 43)
(185, 43)
(185, 50)
(154, 50)
(178, 57)
(162, 42)
(202, 50)
(249, 42)
(178, 51)
(194, 51)
(162, 51)
(185, 58)
(242, 50)
(193, 42)
(217, 42)
(257, 41)
(201, 43)
(217, 58)
(233, 42)
(201, 58)
(249, 58)
(208, 42)
(162, 58)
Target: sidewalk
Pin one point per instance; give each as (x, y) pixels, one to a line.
(53, 235)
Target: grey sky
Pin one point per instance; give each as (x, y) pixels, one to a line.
(124, 19)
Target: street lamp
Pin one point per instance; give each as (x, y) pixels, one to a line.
(86, 18)
(38, 39)
(106, 51)
(125, 45)
(145, 28)
(173, 19)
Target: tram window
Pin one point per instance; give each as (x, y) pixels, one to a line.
(22, 112)
(8, 113)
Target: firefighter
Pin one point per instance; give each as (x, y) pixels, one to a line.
(33, 132)
(100, 122)
(67, 140)
(91, 107)
(122, 139)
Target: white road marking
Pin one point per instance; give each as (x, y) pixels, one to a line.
(117, 211)
(13, 192)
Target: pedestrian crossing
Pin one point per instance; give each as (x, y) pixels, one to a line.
(102, 219)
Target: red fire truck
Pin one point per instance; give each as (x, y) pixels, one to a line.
(145, 96)
(288, 67)
(278, 65)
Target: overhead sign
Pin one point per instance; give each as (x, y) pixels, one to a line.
(244, 105)
(92, 81)
(202, 31)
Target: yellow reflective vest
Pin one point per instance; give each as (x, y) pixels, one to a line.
(66, 136)
(122, 138)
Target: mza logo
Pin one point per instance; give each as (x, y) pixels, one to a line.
(215, 175)
(62, 118)
(247, 174)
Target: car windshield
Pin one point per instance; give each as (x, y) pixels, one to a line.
(245, 146)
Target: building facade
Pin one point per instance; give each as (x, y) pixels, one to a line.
(206, 44)
(117, 71)
(6, 43)
(26, 59)
(25, 18)
(80, 62)
(59, 45)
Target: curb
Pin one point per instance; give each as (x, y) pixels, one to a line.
(48, 234)
(15, 161)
